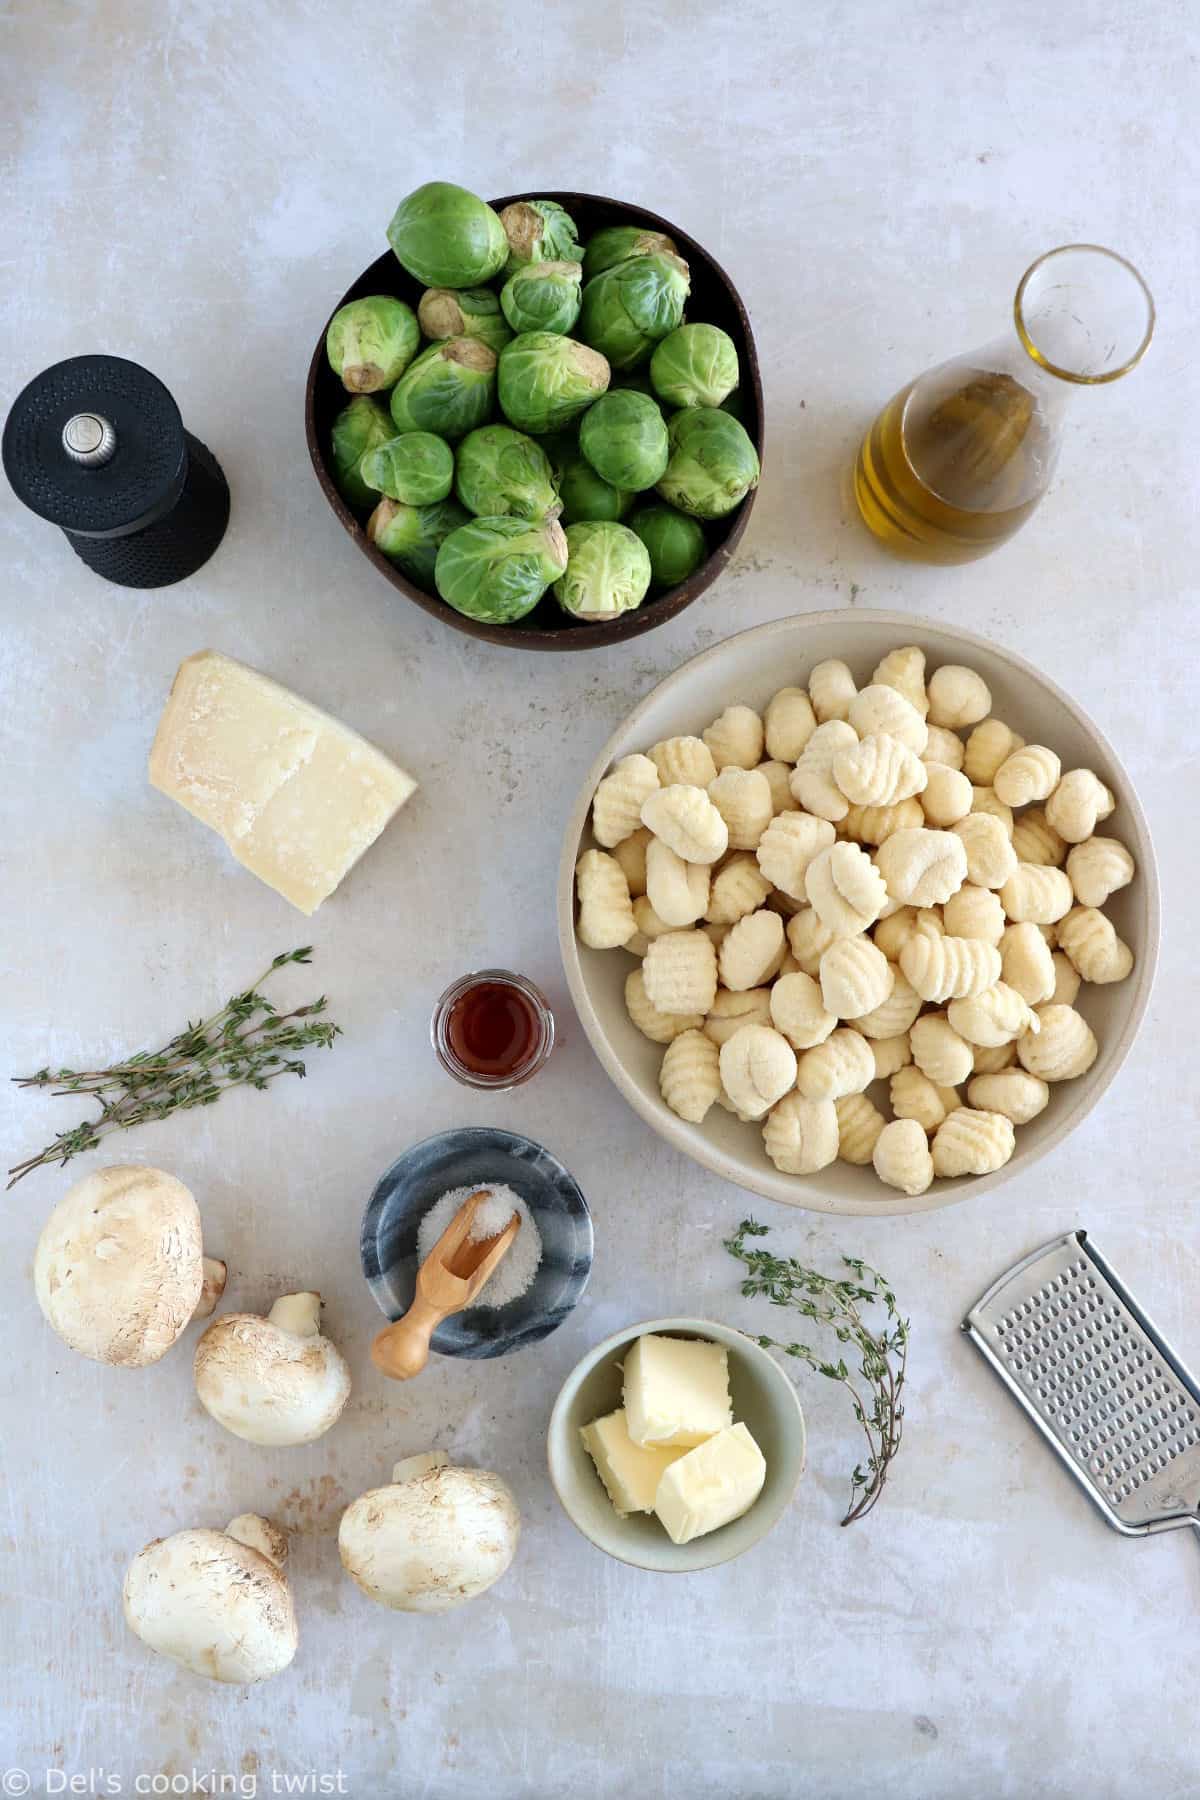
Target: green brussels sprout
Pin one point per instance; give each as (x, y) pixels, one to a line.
(464, 312)
(542, 296)
(448, 390)
(676, 543)
(416, 467)
(446, 237)
(358, 428)
(630, 306)
(587, 496)
(624, 437)
(498, 569)
(608, 571)
(410, 536)
(371, 342)
(501, 471)
(713, 464)
(539, 231)
(617, 243)
(695, 365)
(546, 380)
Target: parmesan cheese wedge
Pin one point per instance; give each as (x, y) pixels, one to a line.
(297, 796)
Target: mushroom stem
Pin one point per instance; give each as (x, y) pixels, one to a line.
(412, 1466)
(260, 1534)
(216, 1274)
(298, 1313)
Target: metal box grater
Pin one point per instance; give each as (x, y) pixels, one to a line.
(1097, 1379)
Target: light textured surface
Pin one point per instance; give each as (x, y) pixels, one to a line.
(193, 185)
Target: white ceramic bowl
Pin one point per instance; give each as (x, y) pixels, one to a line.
(749, 668)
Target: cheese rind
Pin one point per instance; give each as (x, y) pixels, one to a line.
(296, 795)
(711, 1485)
(630, 1473)
(676, 1390)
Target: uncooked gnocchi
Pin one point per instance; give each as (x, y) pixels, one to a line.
(801, 1136)
(901, 1157)
(677, 890)
(605, 910)
(904, 669)
(879, 771)
(855, 978)
(753, 950)
(758, 1067)
(845, 889)
(1077, 805)
(789, 722)
(813, 785)
(685, 761)
(736, 738)
(788, 846)
(688, 822)
(743, 799)
(680, 972)
(617, 808)
(690, 1077)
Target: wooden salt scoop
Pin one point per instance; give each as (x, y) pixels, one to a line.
(447, 1281)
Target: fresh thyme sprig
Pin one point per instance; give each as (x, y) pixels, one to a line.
(882, 1355)
(246, 1044)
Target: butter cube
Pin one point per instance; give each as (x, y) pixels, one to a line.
(710, 1485)
(630, 1474)
(676, 1390)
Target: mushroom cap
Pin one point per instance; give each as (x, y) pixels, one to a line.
(437, 1538)
(269, 1385)
(118, 1268)
(212, 1603)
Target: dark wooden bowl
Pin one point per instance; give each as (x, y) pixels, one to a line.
(714, 299)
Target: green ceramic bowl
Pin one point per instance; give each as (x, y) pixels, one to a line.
(763, 1399)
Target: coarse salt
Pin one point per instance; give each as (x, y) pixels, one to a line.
(516, 1269)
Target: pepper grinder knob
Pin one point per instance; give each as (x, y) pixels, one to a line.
(89, 440)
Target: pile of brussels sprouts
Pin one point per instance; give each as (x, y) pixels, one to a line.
(567, 393)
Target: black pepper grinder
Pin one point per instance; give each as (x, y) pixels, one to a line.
(96, 446)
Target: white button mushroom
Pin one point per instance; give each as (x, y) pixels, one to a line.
(436, 1537)
(119, 1270)
(216, 1601)
(274, 1380)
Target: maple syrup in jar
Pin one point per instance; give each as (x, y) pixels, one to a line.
(492, 1029)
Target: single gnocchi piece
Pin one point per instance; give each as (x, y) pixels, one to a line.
(1030, 773)
(752, 952)
(1097, 868)
(945, 747)
(843, 1064)
(788, 723)
(1026, 963)
(680, 972)
(831, 688)
(690, 1077)
(687, 822)
(659, 1027)
(946, 797)
(1035, 841)
(974, 912)
(972, 1142)
(677, 890)
(855, 977)
(1078, 804)
(1067, 980)
(787, 847)
(949, 968)
(890, 1054)
(990, 855)
(989, 1059)
(875, 824)
(939, 1052)
(778, 777)
(957, 697)
(879, 771)
(798, 1010)
(986, 800)
(808, 939)
(914, 1096)
(901, 1157)
(1016, 1093)
(859, 1125)
(1091, 943)
(892, 933)
(988, 746)
(845, 889)
(879, 708)
(631, 854)
(736, 738)
(895, 1013)
(904, 670)
(730, 1011)
(743, 799)
(683, 762)
(619, 798)
(996, 1016)
(1037, 894)
(801, 1136)
(738, 887)
(606, 918)
(922, 868)
(813, 786)
(1063, 1046)
(758, 1066)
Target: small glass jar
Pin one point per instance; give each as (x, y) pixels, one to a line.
(492, 1029)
